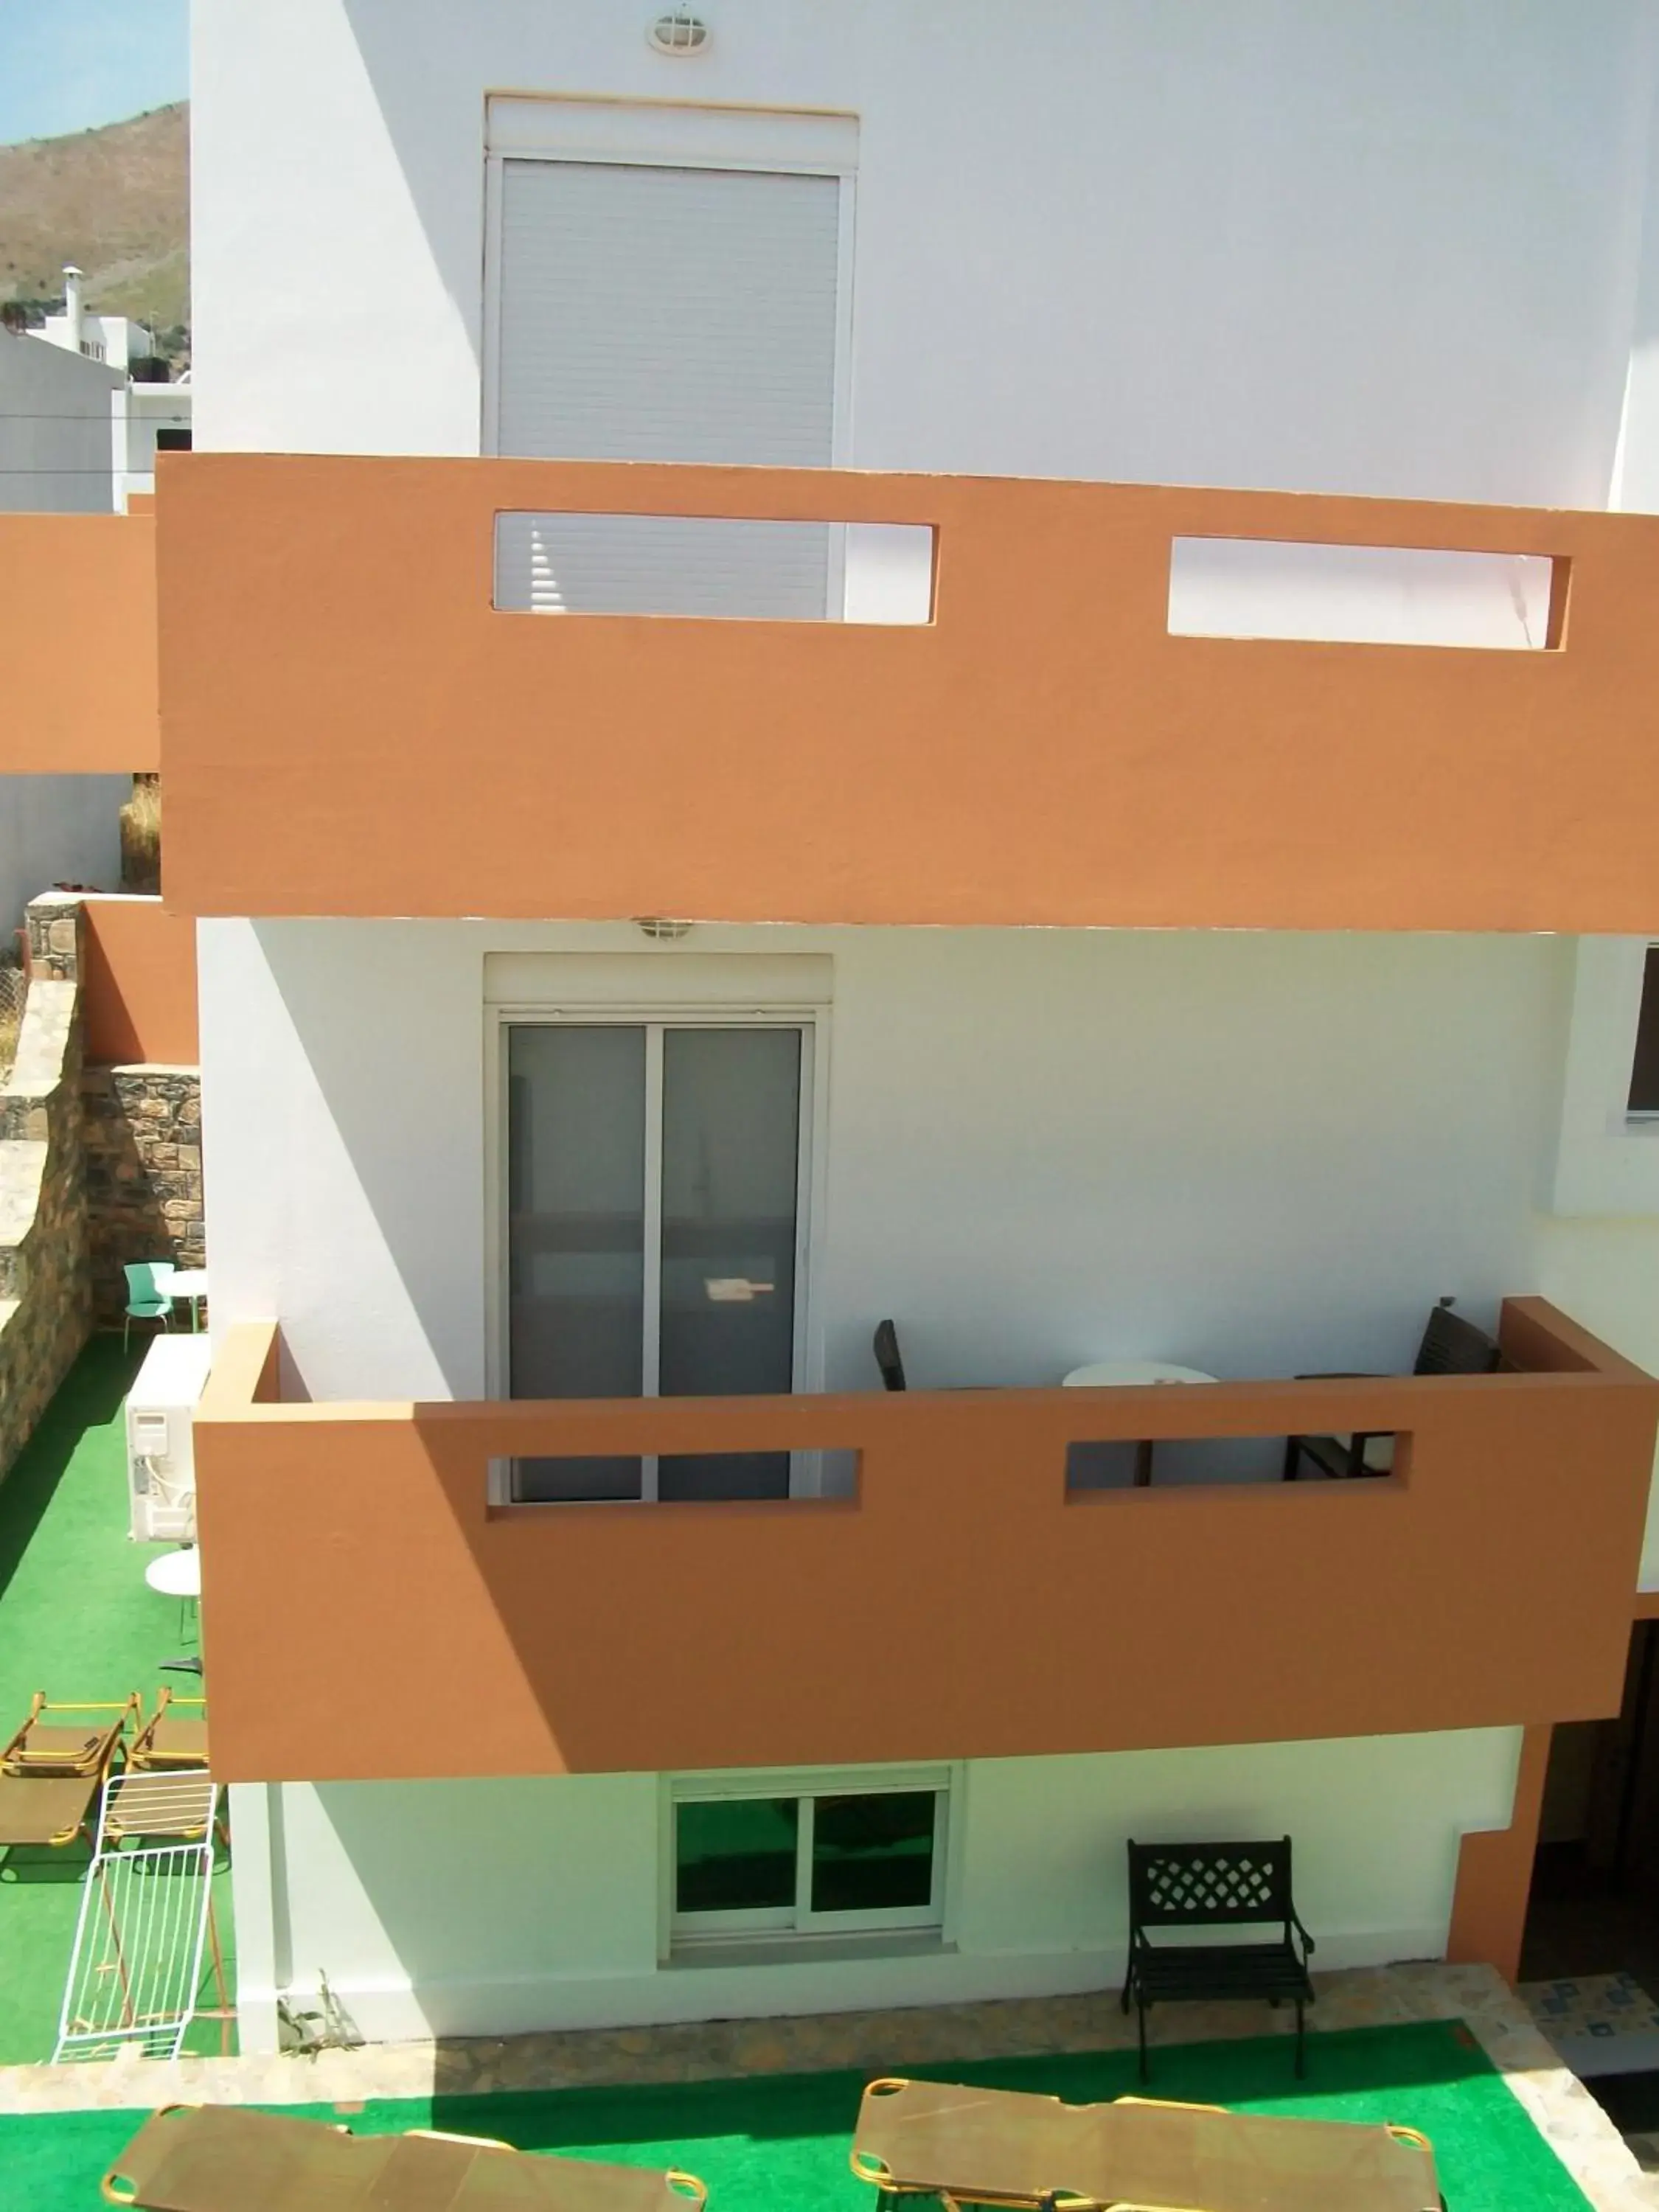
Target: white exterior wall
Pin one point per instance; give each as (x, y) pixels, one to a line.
(140, 412)
(1601, 1262)
(1254, 1153)
(1385, 248)
(1251, 1153)
(473, 1908)
(54, 429)
(1388, 248)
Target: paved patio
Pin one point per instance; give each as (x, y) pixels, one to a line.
(1559, 2106)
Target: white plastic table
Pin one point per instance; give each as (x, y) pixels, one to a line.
(1131, 1374)
(176, 1574)
(189, 1283)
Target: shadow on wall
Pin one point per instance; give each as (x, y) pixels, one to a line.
(138, 983)
(540, 1879)
(429, 107)
(390, 1127)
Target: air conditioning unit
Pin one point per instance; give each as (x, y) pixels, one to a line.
(160, 1455)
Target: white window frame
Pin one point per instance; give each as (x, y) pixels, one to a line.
(684, 1934)
(1606, 1158)
(650, 135)
(812, 1021)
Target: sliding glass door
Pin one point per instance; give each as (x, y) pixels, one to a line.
(654, 1182)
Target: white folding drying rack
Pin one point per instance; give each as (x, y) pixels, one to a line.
(146, 1920)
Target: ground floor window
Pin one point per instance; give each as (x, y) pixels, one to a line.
(841, 1854)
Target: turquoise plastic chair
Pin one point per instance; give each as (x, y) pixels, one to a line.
(149, 1294)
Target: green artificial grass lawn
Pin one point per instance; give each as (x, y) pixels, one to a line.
(77, 1620)
(780, 2142)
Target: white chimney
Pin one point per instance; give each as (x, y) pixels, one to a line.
(72, 310)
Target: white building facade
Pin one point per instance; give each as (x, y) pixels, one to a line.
(1374, 250)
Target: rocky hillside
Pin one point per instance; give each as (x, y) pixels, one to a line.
(117, 201)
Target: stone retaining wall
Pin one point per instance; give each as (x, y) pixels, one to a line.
(97, 1166)
(45, 1303)
(143, 1131)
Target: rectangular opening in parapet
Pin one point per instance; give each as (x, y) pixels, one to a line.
(1220, 1462)
(679, 1478)
(1239, 587)
(712, 567)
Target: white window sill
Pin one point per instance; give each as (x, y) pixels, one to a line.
(783, 1950)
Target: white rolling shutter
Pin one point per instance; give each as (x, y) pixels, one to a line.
(675, 314)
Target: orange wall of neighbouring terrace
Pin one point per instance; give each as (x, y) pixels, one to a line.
(78, 643)
(138, 990)
(1043, 752)
(959, 1606)
(1495, 1871)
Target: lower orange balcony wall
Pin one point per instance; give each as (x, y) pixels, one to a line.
(77, 628)
(367, 1615)
(140, 983)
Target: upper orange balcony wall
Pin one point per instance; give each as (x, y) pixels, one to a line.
(77, 634)
(1042, 751)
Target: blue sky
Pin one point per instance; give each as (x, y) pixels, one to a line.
(68, 64)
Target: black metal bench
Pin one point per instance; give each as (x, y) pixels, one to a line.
(1191, 1886)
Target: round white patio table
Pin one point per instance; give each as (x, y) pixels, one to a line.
(1130, 1373)
(176, 1574)
(189, 1283)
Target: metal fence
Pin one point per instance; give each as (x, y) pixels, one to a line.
(14, 991)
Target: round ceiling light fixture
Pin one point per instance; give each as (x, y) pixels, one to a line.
(679, 33)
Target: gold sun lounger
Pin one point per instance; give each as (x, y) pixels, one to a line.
(998, 2147)
(166, 1789)
(51, 1770)
(175, 1735)
(223, 2158)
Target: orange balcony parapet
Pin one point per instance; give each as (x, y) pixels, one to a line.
(366, 1613)
(1043, 750)
(78, 628)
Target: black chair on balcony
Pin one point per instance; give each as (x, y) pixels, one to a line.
(1198, 1886)
(886, 1348)
(1450, 1346)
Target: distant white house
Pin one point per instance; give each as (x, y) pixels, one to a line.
(54, 447)
(146, 410)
